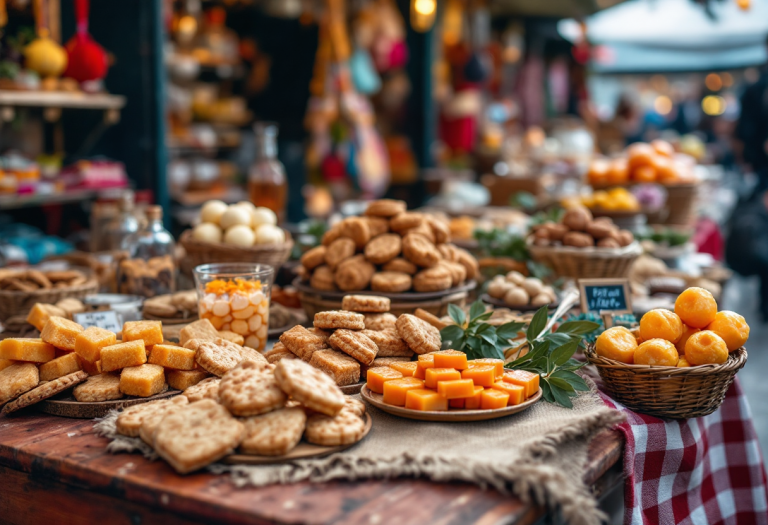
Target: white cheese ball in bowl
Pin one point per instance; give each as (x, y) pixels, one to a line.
(207, 232)
(212, 211)
(239, 235)
(262, 215)
(269, 234)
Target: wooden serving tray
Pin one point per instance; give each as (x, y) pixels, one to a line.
(452, 415)
(67, 406)
(498, 303)
(303, 450)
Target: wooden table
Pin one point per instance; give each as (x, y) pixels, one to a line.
(56, 470)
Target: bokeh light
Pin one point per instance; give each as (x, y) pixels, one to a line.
(662, 105)
(713, 82)
(713, 105)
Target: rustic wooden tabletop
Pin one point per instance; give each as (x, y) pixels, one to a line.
(56, 470)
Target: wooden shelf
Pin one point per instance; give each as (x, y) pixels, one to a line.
(11, 202)
(61, 99)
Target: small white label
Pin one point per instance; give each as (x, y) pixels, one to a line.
(108, 320)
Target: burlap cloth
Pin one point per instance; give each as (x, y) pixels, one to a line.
(538, 455)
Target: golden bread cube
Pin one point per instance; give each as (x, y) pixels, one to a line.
(183, 379)
(342, 368)
(24, 349)
(143, 380)
(61, 332)
(40, 313)
(5, 363)
(175, 357)
(122, 355)
(60, 367)
(232, 337)
(89, 342)
(92, 369)
(151, 332)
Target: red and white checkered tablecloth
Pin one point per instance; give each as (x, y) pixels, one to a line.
(703, 471)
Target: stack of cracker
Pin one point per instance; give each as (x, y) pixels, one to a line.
(255, 407)
(389, 249)
(345, 343)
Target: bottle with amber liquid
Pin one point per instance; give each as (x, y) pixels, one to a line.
(267, 183)
(150, 268)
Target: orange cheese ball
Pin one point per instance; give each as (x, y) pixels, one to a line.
(376, 377)
(456, 388)
(687, 332)
(425, 361)
(516, 392)
(656, 352)
(683, 363)
(492, 398)
(480, 375)
(435, 375)
(696, 307)
(395, 390)
(450, 359)
(617, 343)
(425, 400)
(706, 347)
(661, 324)
(732, 327)
(527, 380)
(498, 363)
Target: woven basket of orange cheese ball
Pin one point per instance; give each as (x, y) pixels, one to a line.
(667, 391)
(587, 263)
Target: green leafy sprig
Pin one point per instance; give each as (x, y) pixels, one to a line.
(549, 354)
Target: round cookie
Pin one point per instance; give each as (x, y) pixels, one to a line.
(448, 251)
(385, 208)
(314, 257)
(405, 221)
(440, 230)
(380, 321)
(357, 229)
(250, 389)
(383, 248)
(339, 250)
(354, 274)
(457, 271)
(393, 282)
(464, 258)
(323, 279)
(344, 429)
(389, 343)
(422, 229)
(333, 233)
(365, 303)
(398, 264)
(355, 345)
(377, 225)
(309, 386)
(433, 279)
(335, 319)
(420, 251)
(420, 336)
(208, 388)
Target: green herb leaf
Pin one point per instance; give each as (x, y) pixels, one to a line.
(560, 383)
(509, 330)
(575, 380)
(577, 327)
(477, 309)
(560, 396)
(546, 391)
(563, 353)
(558, 339)
(484, 317)
(451, 333)
(492, 351)
(457, 314)
(538, 323)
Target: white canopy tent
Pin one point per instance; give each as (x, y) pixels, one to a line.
(674, 35)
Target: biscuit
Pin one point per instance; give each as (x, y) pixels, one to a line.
(398, 264)
(377, 225)
(385, 208)
(201, 330)
(420, 336)
(339, 250)
(129, 421)
(469, 263)
(246, 352)
(322, 334)
(354, 274)
(440, 230)
(343, 429)
(275, 433)
(430, 318)
(71, 305)
(422, 229)
(379, 321)
(333, 233)
(45, 390)
(357, 229)
(185, 301)
(206, 389)
(391, 282)
(39, 277)
(389, 343)
(232, 337)
(197, 435)
(218, 357)
(278, 352)
(151, 421)
(160, 306)
(62, 275)
(448, 252)
(322, 279)
(383, 248)
(250, 389)
(313, 258)
(302, 343)
(432, 279)
(405, 221)
(365, 303)
(309, 386)
(355, 406)
(457, 271)
(103, 387)
(355, 345)
(334, 319)
(343, 369)
(420, 251)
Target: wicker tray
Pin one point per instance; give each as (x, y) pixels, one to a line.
(667, 391)
(14, 302)
(587, 263)
(199, 252)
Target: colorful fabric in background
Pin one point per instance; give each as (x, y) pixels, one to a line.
(33, 242)
(706, 470)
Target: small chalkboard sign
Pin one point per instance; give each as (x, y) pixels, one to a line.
(107, 320)
(605, 296)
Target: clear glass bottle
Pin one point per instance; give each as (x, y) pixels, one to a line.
(125, 224)
(267, 182)
(150, 268)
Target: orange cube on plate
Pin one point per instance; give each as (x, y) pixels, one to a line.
(516, 392)
(497, 363)
(424, 399)
(483, 375)
(434, 375)
(407, 368)
(376, 377)
(456, 388)
(492, 399)
(425, 361)
(25, 349)
(458, 402)
(527, 380)
(450, 359)
(475, 401)
(395, 390)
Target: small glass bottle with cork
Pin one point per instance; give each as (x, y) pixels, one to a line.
(150, 268)
(267, 182)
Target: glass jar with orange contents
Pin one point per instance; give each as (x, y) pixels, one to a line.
(235, 297)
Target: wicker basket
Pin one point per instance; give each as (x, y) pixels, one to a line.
(199, 252)
(20, 303)
(681, 204)
(587, 263)
(666, 391)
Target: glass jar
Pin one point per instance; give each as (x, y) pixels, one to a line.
(235, 297)
(267, 182)
(125, 224)
(150, 267)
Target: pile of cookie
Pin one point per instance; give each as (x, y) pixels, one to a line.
(179, 305)
(256, 408)
(388, 250)
(35, 280)
(579, 229)
(345, 343)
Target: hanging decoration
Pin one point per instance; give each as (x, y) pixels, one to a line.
(44, 56)
(423, 15)
(87, 59)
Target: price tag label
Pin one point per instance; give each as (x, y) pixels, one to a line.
(108, 320)
(605, 296)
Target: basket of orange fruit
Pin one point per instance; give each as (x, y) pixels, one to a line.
(678, 364)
